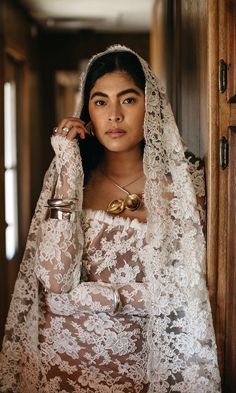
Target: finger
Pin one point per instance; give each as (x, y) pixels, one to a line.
(72, 134)
(68, 123)
(76, 119)
(81, 132)
(64, 131)
(64, 123)
(71, 131)
(72, 118)
(77, 131)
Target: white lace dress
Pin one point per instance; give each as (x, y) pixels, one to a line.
(83, 346)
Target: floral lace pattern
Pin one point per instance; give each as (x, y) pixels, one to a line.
(91, 349)
(162, 341)
(69, 168)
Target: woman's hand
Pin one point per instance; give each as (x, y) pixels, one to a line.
(68, 160)
(71, 127)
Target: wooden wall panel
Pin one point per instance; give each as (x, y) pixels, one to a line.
(230, 339)
(221, 195)
(159, 45)
(15, 44)
(212, 160)
(231, 49)
(16, 27)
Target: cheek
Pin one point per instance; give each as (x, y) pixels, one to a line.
(94, 116)
(91, 112)
(97, 121)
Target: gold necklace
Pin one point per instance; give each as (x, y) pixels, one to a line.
(131, 202)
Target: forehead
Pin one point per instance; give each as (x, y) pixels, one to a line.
(116, 80)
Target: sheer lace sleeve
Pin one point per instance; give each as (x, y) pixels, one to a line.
(60, 241)
(58, 254)
(69, 168)
(90, 297)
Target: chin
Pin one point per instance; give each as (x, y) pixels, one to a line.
(120, 146)
(122, 149)
(115, 149)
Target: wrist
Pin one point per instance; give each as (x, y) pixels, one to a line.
(62, 214)
(62, 209)
(68, 203)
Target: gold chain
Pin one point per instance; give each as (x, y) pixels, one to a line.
(122, 187)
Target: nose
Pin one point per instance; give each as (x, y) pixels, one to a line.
(115, 114)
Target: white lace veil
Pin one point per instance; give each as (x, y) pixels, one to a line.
(180, 335)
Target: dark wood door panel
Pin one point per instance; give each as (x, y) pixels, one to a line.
(231, 49)
(230, 336)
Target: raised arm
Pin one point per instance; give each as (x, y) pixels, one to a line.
(60, 242)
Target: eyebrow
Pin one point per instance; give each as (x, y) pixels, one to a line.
(121, 93)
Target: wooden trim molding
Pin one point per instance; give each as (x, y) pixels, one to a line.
(212, 169)
(231, 49)
(230, 336)
(15, 54)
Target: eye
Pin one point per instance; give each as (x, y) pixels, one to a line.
(129, 100)
(99, 102)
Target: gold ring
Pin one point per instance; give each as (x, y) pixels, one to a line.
(65, 130)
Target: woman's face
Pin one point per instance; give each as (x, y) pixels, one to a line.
(116, 109)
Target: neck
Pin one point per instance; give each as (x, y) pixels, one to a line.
(122, 165)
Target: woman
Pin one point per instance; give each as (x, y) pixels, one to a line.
(111, 295)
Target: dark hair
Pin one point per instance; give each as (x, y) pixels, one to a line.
(91, 149)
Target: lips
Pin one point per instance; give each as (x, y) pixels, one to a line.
(115, 132)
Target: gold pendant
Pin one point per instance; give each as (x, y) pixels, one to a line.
(116, 206)
(132, 202)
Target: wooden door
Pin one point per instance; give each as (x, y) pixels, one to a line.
(230, 328)
(222, 182)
